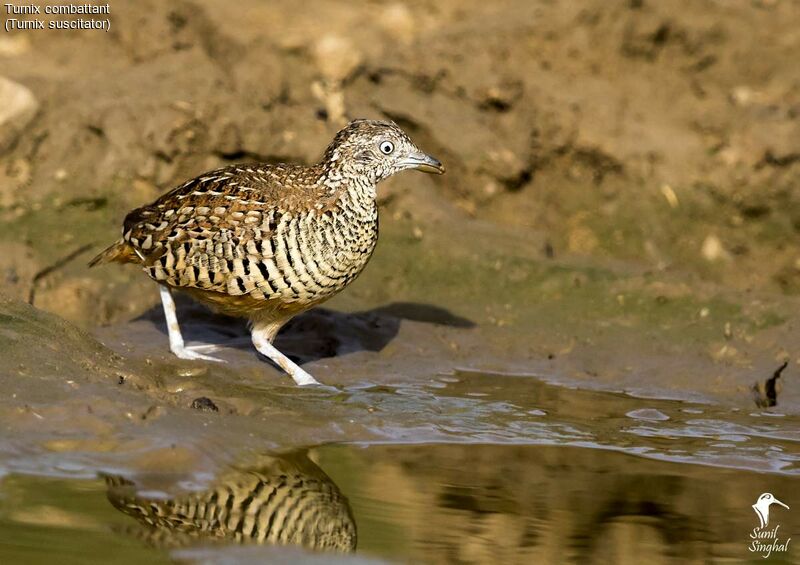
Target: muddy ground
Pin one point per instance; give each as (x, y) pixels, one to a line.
(620, 213)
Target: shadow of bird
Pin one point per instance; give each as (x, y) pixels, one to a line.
(317, 334)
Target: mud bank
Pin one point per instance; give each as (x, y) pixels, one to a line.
(634, 131)
(74, 405)
(619, 196)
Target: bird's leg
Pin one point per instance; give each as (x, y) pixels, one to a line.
(176, 344)
(232, 342)
(263, 343)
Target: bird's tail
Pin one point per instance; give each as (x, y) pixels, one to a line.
(119, 252)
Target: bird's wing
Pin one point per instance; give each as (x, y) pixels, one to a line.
(210, 232)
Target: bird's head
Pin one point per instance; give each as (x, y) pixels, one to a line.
(377, 150)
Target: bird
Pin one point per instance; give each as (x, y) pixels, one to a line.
(268, 241)
(762, 505)
(286, 500)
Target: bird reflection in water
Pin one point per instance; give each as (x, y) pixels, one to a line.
(285, 500)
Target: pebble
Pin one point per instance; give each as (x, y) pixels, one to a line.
(12, 46)
(204, 404)
(713, 250)
(18, 106)
(336, 57)
(398, 22)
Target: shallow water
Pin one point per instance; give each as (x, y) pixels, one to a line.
(470, 406)
(466, 467)
(460, 407)
(434, 503)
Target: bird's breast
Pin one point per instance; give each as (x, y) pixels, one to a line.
(318, 253)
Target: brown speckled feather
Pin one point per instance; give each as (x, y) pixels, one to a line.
(268, 241)
(208, 222)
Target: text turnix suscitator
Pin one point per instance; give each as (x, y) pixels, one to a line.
(265, 241)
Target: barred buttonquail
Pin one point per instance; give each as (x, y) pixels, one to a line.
(286, 501)
(265, 241)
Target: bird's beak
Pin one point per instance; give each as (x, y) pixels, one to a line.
(776, 501)
(424, 163)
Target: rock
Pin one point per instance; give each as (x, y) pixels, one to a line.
(501, 96)
(506, 166)
(713, 250)
(336, 57)
(17, 108)
(204, 404)
(743, 96)
(398, 22)
(14, 45)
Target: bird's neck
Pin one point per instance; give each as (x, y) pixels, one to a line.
(352, 188)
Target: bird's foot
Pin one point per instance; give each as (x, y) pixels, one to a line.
(300, 376)
(208, 347)
(191, 353)
(264, 346)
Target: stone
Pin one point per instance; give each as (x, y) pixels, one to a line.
(336, 57)
(398, 22)
(18, 107)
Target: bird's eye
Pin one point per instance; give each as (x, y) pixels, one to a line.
(387, 147)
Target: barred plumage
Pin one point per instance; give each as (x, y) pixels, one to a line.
(286, 501)
(268, 241)
(287, 254)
